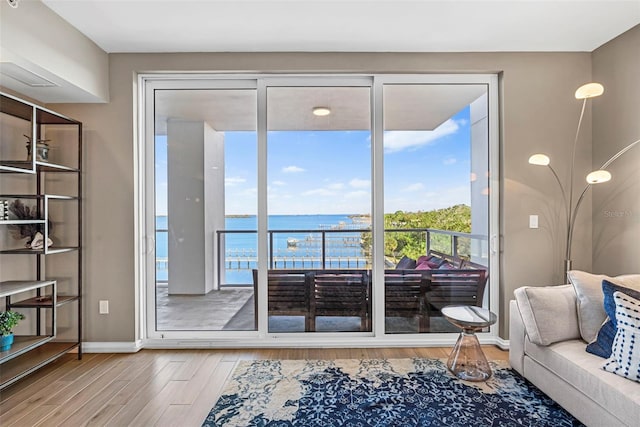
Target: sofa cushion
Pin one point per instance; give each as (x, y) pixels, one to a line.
(588, 289)
(603, 343)
(625, 354)
(541, 308)
(569, 361)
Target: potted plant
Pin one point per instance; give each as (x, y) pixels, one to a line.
(8, 321)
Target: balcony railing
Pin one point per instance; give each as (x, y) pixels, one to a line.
(320, 249)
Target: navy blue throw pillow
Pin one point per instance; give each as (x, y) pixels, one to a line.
(604, 341)
(406, 263)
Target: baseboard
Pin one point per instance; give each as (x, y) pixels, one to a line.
(135, 346)
(502, 343)
(112, 347)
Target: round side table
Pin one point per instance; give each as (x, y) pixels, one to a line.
(467, 360)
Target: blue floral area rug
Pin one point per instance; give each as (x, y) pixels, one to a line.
(392, 392)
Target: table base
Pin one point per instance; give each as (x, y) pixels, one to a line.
(467, 360)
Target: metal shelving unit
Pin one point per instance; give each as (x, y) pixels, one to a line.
(53, 286)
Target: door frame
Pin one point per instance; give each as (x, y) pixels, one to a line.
(144, 228)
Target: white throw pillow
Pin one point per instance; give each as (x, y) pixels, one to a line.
(625, 353)
(590, 298)
(540, 307)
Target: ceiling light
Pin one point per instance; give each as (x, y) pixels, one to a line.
(321, 111)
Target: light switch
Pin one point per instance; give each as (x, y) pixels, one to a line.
(533, 221)
(104, 306)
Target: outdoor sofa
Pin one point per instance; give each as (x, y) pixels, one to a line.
(409, 293)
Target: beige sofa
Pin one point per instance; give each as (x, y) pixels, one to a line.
(546, 347)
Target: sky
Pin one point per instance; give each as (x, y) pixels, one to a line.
(329, 172)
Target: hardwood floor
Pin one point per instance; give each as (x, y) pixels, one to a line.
(153, 387)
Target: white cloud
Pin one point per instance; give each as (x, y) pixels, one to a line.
(292, 169)
(414, 187)
(318, 192)
(336, 186)
(233, 181)
(402, 140)
(356, 194)
(449, 161)
(278, 183)
(360, 183)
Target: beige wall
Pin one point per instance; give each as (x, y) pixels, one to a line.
(616, 204)
(538, 113)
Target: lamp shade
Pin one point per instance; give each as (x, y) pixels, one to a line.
(321, 111)
(539, 159)
(598, 177)
(590, 90)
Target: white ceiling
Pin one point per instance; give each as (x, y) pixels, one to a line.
(406, 107)
(348, 25)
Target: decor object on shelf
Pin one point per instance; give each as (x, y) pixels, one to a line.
(389, 392)
(31, 230)
(37, 243)
(8, 321)
(584, 92)
(42, 149)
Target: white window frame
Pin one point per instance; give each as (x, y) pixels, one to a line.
(144, 242)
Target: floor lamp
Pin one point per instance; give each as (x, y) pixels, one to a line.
(585, 92)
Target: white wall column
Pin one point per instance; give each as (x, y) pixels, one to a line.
(195, 157)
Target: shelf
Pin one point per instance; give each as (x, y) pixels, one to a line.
(24, 166)
(44, 301)
(38, 196)
(31, 352)
(52, 167)
(51, 250)
(24, 364)
(9, 166)
(21, 221)
(13, 287)
(22, 344)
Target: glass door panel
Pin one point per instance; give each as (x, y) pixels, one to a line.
(205, 209)
(436, 205)
(319, 209)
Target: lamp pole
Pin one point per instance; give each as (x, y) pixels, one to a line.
(584, 92)
(596, 178)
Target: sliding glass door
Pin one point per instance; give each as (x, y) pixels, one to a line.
(287, 208)
(436, 210)
(204, 207)
(319, 205)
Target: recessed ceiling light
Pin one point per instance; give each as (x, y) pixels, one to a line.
(321, 111)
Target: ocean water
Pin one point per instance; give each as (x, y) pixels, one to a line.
(297, 242)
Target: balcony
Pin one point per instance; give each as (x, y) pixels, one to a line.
(336, 248)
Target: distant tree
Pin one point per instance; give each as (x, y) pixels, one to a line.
(413, 243)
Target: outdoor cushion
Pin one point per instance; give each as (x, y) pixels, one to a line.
(423, 266)
(406, 263)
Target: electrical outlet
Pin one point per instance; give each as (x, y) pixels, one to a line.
(533, 221)
(104, 307)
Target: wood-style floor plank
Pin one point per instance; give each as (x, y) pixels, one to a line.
(155, 387)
